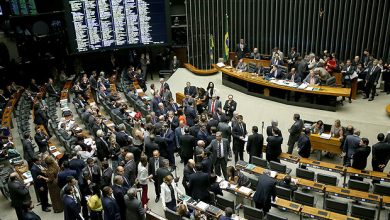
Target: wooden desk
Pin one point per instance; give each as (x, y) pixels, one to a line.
(324, 98)
(322, 165)
(153, 216)
(180, 97)
(353, 194)
(200, 72)
(315, 213)
(332, 145)
(311, 185)
(6, 119)
(289, 158)
(334, 215)
(264, 63)
(288, 205)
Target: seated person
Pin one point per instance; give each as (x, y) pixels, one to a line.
(255, 54)
(228, 214)
(276, 73)
(293, 76)
(241, 66)
(214, 185)
(190, 90)
(276, 60)
(312, 79)
(317, 128)
(321, 72)
(182, 211)
(236, 177)
(260, 70)
(286, 183)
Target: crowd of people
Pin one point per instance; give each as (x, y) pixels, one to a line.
(110, 180)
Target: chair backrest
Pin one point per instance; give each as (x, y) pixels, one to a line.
(358, 185)
(254, 181)
(212, 198)
(171, 215)
(251, 67)
(305, 174)
(331, 81)
(222, 202)
(272, 216)
(336, 206)
(251, 213)
(363, 212)
(278, 167)
(327, 179)
(259, 162)
(283, 193)
(381, 189)
(303, 198)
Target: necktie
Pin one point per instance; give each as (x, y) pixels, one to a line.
(155, 165)
(372, 70)
(212, 107)
(219, 152)
(242, 129)
(174, 107)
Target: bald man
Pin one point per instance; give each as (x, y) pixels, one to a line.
(120, 171)
(130, 168)
(18, 192)
(187, 171)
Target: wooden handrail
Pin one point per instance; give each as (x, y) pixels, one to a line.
(199, 71)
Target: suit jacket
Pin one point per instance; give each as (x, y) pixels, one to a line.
(360, 157)
(351, 143)
(255, 144)
(30, 216)
(241, 53)
(151, 166)
(28, 150)
(190, 114)
(131, 171)
(373, 74)
(95, 175)
(229, 109)
(41, 141)
(265, 189)
(77, 165)
(187, 172)
(111, 209)
(304, 146)
(18, 193)
(226, 130)
(40, 117)
(103, 150)
(169, 137)
(162, 172)
(297, 77)
(61, 182)
(219, 117)
(207, 165)
(279, 74)
(213, 148)
(178, 134)
(296, 129)
(307, 79)
(217, 104)
(192, 91)
(134, 209)
(119, 193)
(242, 66)
(187, 145)
(71, 209)
(199, 184)
(150, 147)
(162, 145)
(50, 90)
(122, 138)
(274, 145)
(277, 62)
(35, 172)
(172, 107)
(236, 133)
(381, 152)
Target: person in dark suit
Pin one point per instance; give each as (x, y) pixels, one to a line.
(225, 129)
(199, 184)
(169, 137)
(220, 116)
(28, 148)
(239, 132)
(372, 80)
(122, 137)
(119, 193)
(77, 164)
(151, 146)
(187, 145)
(214, 104)
(40, 117)
(41, 139)
(103, 149)
(130, 168)
(312, 78)
(286, 183)
(66, 171)
(265, 189)
(220, 149)
(51, 91)
(190, 114)
(241, 49)
(207, 162)
(255, 143)
(110, 206)
(274, 146)
(40, 183)
(188, 170)
(94, 171)
(190, 90)
(293, 76)
(230, 106)
(276, 60)
(18, 193)
(359, 158)
(28, 213)
(380, 153)
(172, 106)
(292, 57)
(274, 124)
(295, 131)
(133, 209)
(276, 73)
(71, 207)
(351, 143)
(304, 145)
(154, 164)
(106, 174)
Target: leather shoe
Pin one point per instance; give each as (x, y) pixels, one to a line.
(365, 97)
(46, 210)
(370, 99)
(350, 101)
(156, 200)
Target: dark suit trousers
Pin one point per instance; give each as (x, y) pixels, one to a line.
(291, 142)
(221, 164)
(375, 167)
(157, 188)
(19, 212)
(370, 87)
(239, 152)
(43, 197)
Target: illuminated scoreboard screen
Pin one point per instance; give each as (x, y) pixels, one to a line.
(110, 24)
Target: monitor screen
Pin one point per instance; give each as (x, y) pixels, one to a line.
(112, 24)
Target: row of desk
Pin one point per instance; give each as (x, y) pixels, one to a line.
(6, 120)
(326, 189)
(368, 174)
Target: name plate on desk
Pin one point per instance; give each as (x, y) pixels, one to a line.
(323, 213)
(345, 191)
(293, 205)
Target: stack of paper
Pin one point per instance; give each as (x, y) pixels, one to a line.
(309, 88)
(325, 136)
(273, 174)
(245, 190)
(224, 184)
(202, 206)
(302, 86)
(56, 153)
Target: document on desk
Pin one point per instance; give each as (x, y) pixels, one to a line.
(224, 184)
(325, 136)
(273, 174)
(202, 206)
(220, 65)
(219, 179)
(302, 86)
(56, 153)
(245, 190)
(309, 88)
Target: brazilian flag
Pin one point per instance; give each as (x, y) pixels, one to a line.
(226, 39)
(212, 45)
